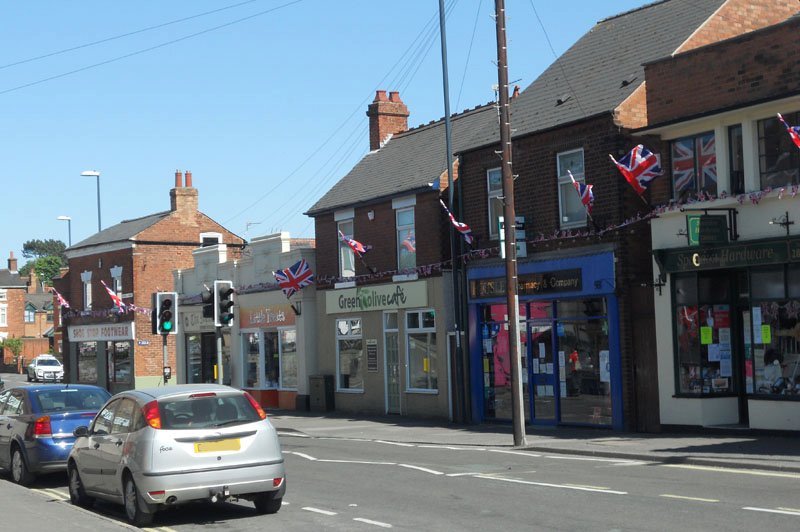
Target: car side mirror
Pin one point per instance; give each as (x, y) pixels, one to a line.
(81, 431)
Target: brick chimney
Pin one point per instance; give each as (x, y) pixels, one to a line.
(183, 198)
(386, 117)
(12, 263)
(33, 281)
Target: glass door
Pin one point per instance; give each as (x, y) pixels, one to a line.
(543, 379)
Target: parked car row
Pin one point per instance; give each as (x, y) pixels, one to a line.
(145, 449)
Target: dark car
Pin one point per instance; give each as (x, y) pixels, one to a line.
(36, 424)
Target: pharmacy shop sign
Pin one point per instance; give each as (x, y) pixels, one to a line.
(383, 297)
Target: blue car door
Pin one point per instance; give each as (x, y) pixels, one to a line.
(5, 431)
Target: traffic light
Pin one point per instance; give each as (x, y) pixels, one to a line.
(223, 303)
(166, 313)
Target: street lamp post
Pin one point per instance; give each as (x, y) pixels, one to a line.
(95, 173)
(69, 227)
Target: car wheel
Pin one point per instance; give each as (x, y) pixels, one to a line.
(135, 509)
(266, 503)
(19, 469)
(77, 494)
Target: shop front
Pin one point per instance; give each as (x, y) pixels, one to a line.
(569, 342)
(734, 328)
(200, 363)
(103, 354)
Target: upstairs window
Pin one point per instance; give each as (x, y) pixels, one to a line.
(494, 189)
(778, 157)
(694, 166)
(570, 208)
(30, 314)
(406, 239)
(347, 259)
(86, 277)
(3, 316)
(3, 294)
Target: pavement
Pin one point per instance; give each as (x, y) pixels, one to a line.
(742, 449)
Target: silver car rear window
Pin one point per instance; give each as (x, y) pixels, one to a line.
(70, 400)
(206, 411)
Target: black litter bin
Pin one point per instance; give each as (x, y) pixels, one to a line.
(321, 388)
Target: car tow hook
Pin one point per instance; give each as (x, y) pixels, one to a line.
(220, 494)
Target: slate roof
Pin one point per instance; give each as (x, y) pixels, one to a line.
(590, 75)
(11, 280)
(408, 162)
(125, 230)
(41, 301)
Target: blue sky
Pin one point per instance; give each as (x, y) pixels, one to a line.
(267, 113)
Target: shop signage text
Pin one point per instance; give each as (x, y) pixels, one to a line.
(754, 254)
(529, 284)
(707, 229)
(266, 316)
(102, 332)
(384, 297)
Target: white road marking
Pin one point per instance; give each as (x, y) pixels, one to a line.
(452, 447)
(736, 471)
(622, 464)
(423, 469)
(318, 511)
(371, 522)
(461, 474)
(684, 497)
(399, 444)
(789, 509)
(302, 455)
(293, 434)
(548, 485)
(51, 493)
(586, 486)
(589, 459)
(517, 453)
(770, 510)
(354, 462)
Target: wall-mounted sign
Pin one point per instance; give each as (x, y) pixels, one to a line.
(529, 284)
(102, 332)
(266, 316)
(380, 297)
(372, 355)
(519, 235)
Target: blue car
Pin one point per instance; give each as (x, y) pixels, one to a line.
(36, 424)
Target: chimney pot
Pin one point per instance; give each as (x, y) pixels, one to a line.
(394, 96)
(188, 179)
(516, 92)
(178, 179)
(380, 96)
(12, 263)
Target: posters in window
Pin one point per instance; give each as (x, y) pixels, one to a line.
(605, 367)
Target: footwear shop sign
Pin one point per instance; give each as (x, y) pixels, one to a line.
(381, 297)
(102, 332)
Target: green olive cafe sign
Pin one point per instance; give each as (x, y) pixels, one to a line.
(383, 297)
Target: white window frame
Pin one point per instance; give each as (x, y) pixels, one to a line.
(3, 315)
(29, 310)
(210, 235)
(86, 277)
(116, 279)
(399, 229)
(563, 179)
(348, 336)
(344, 249)
(3, 294)
(494, 196)
(407, 333)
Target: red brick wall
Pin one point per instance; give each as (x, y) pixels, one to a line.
(386, 117)
(15, 312)
(753, 67)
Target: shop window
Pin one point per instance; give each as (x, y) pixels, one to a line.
(778, 158)
(775, 367)
(767, 283)
(584, 371)
(694, 166)
(406, 239)
(121, 361)
(422, 350)
(349, 355)
(581, 307)
(288, 358)
(736, 159)
(494, 193)
(347, 259)
(572, 212)
(272, 359)
(252, 357)
(793, 280)
(87, 362)
(194, 359)
(713, 287)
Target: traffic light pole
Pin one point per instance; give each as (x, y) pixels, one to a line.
(164, 365)
(219, 355)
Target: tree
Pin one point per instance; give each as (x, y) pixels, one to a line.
(43, 248)
(14, 345)
(46, 268)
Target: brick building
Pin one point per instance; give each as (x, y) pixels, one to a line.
(728, 332)
(13, 289)
(134, 258)
(588, 344)
(385, 322)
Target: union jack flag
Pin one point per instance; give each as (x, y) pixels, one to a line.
(707, 163)
(585, 192)
(683, 171)
(794, 131)
(61, 301)
(295, 277)
(639, 167)
(461, 227)
(114, 297)
(357, 247)
(410, 242)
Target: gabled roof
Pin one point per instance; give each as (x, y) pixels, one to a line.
(40, 301)
(125, 230)
(406, 163)
(11, 280)
(603, 68)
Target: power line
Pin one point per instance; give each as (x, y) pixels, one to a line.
(469, 53)
(151, 48)
(123, 35)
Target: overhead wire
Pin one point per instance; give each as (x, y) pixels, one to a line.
(469, 54)
(151, 48)
(123, 35)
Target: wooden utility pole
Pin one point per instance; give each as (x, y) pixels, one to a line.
(509, 215)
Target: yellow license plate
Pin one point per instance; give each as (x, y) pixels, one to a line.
(213, 446)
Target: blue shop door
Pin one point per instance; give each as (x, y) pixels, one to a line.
(543, 372)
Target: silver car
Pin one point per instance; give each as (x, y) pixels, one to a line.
(152, 448)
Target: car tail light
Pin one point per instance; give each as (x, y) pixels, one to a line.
(254, 404)
(42, 428)
(204, 394)
(152, 415)
(277, 482)
(156, 493)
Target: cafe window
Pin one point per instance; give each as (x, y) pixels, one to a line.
(288, 358)
(694, 166)
(422, 350)
(349, 355)
(87, 362)
(778, 158)
(702, 318)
